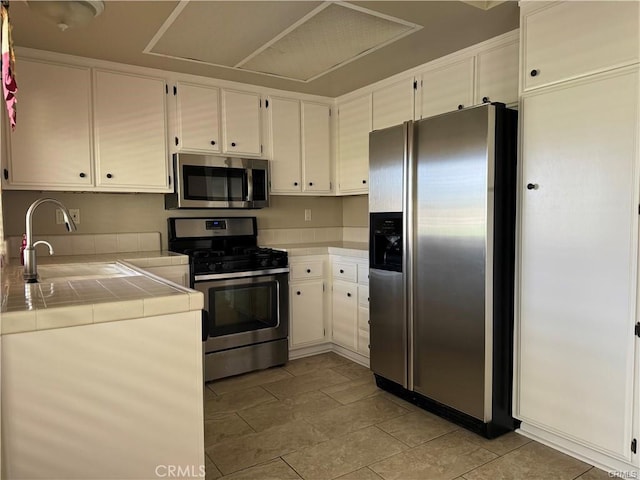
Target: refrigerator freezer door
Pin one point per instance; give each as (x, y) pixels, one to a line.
(387, 316)
(386, 173)
(452, 298)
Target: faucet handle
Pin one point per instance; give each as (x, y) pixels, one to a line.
(45, 243)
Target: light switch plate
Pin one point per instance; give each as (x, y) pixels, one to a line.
(307, 214)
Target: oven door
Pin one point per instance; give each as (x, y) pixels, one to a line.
(245, 308)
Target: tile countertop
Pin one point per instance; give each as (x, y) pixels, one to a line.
(350, 249)
(120, 290)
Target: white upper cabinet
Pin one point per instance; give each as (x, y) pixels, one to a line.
(565, 40)
(497, 74)
(300, 146)
(284, 135)
(241, 132)
(198, 118)
(354, 125)
(446, 88)
(393, 104)
(316, 147)
(51, 146)
(130, 124)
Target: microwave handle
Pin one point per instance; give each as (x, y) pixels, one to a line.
(249, 185)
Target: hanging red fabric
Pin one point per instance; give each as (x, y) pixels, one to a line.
(9, 86)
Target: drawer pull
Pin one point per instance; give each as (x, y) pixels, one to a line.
(308, 270)
(535, 72)
(348, 294)
(341, 271)
(298, 292)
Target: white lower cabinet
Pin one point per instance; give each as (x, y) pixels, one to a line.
(306, 301)
(350, 303)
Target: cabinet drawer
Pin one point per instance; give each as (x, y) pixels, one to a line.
(363, 295)
(345, 271)
(300, 271)
(363, 273)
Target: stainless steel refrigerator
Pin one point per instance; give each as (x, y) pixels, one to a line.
(442, 242)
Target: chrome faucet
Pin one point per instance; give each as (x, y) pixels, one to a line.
(30, 267)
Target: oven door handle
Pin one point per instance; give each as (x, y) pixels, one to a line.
(205, 325)
(277, 303)
(234, 275)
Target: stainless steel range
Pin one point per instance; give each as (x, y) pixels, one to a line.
(246, 293)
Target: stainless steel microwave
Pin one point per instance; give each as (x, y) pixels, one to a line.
(208, 181)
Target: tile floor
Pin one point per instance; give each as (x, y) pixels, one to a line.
(323, 417)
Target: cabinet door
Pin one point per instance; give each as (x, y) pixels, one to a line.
(579, 240)
(570, 39)
(51, 146)
(354, 125)
(446, 88)
(198, 118)
(284, 133)
(130, 133)
(316, 147)
(345, 315)
(241, 122)
(393, 104)
(497, 75)
(307, 319)
(363, 331)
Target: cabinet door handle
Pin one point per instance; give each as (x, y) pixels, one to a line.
(308, 270)
(364, 181)
(295, 184)
(341, 271)
(534, 72)
(348, 294)
(485, 99)
(532, 186)
(311, 184)
(213, 142)
(109, 175)
(460, 107)
(298, 292)
(233, 144)
(82, 175)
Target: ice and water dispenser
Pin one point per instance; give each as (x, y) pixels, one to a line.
(386, 241)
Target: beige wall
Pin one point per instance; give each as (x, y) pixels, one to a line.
(355, 211)
(113, 212)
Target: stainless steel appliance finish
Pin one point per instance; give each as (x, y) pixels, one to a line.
(209, 181)
(246, 293)
(454, 335)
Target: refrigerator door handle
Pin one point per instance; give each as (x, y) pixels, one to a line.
(408, 244)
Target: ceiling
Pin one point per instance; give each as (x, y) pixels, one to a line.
(305, 46)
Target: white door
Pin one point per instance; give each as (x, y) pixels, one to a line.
(579, 240)
(241, 122)
(393, 104)
(354, 125)
(497, 74)
(316, 147)
(198, 118)
(51, 146)
(447, 88)
(345, 314)
(284, 133)
(130, 132)
(307, 319)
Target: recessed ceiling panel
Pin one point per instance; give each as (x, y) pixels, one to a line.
(335, 35)
(224, 33)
